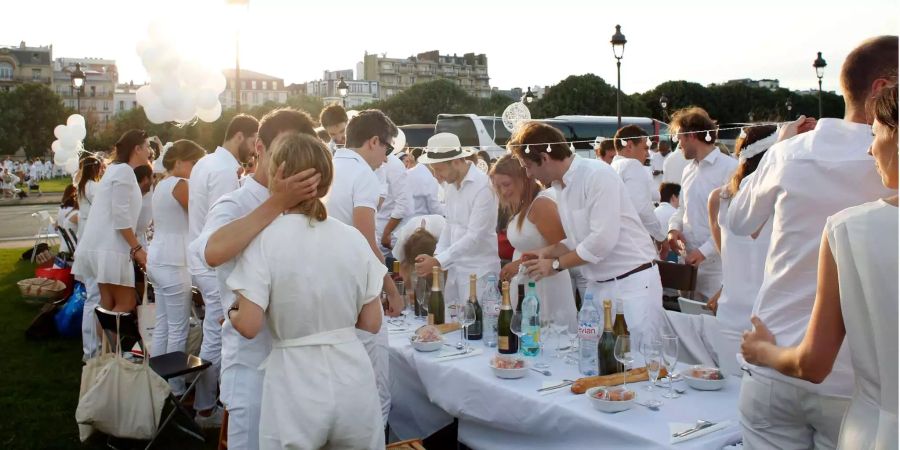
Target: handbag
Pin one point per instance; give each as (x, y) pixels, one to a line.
(68, 319)
(122, 399)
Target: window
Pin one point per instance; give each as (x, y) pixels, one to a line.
(6, 71)
(93, 91)
(121, 105)
(106, 106)
(255, 98)
(253, 84)
(265, 85)
(134, 104)
(243, 85)
(35, 74)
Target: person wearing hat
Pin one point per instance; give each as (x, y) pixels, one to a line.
(468, 244)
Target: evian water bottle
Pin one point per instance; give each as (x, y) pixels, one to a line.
(588, 335)
(491, 307)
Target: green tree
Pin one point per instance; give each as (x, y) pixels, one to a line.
(585, 95)
(422, 102)
(28, 115)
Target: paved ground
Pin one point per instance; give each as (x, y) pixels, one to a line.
(16, 222)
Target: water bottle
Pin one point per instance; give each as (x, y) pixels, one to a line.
(588, 336)
(491, 306)
(531, 322)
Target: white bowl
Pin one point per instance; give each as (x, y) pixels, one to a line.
(703, 384)
(431, 346)
(510, 374)
(608, 406)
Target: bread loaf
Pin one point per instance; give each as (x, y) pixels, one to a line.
(581, 385)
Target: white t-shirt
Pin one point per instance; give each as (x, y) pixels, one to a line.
(213, 176)
(673, 166)
(355, 185)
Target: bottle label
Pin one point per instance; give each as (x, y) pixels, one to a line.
(503, 343)
(430, 318)
(588, 331)
(494, 309)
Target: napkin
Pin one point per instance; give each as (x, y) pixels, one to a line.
(394, 329)
(551, 383)
(450, 351)
(679, 427)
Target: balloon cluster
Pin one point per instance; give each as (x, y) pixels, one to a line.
(67, 146)
(179, 89)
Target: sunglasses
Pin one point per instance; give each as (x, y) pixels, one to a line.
(388, 148)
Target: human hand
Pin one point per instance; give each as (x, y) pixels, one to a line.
(539, 268)
(140, 257)
(299, 187)
(676, 239)
(424, 263)
(755, 341)
(695, 257)
(394, 305)
(510, 270)
(713, 303)
(386, 241)
(799, 126)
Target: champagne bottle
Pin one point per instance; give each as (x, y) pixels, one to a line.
(507, 342)
(620, 327)
(436, 301)
(474, 331)
(395, 272)
(606, 348)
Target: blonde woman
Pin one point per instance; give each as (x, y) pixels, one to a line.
(314, 280)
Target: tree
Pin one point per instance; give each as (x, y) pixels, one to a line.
(585, 95)
(422, 102)
(28, 115)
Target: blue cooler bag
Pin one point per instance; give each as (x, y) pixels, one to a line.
(68, 319)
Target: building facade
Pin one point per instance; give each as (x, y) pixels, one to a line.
(96, 101)
(394, 75)
(124, 98)
(23, 64)
(256, 89)
(360, 91)
(764, 83)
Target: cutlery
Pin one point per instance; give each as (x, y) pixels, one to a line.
(652, 405)
(558, 386)
(674, 388)
(458, 346)
(701, 424)
(542, 372)
(458, 353)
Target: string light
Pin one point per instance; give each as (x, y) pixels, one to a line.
(571, 147)
(649, 142)
(548, 148)
(708, 137)
(622, 142)
(527, 149)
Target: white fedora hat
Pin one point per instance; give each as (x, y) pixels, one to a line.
(444, 147)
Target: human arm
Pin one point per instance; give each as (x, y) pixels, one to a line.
(180, 192)
(364, 221)
(713, 207)
(482, 221)
(754, 203)
(251, 282)
(639, 186)
(248, 318)
(121, 218)
(814, 358)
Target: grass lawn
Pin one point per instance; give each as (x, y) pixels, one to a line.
(55, 184)
(40, 379)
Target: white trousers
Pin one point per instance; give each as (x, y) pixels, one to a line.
(90, 338)
(377, 347)
(242, 388)
(709, 278)
(641, 295)
(172, 287)
(776, 414)
(211, 346)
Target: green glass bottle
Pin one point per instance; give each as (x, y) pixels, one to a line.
(474, 331)
(606, 347)
(436, 301)
(507, 342)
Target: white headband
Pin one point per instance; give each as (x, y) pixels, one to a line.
(758, 146)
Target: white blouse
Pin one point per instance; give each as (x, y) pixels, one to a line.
(170, 226)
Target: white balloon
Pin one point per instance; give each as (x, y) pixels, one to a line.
(210, 115)
(169, 94)
(59, 130)
(399, 141)
(145, 95)
(156, 113)
(207, 98)
(56, 146)
(71, 166)
(216, 82)
(76, 120)
(80, 132)
(68, 138)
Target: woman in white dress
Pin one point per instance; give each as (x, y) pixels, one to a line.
(89, 172)
(314, 280)
(534, 223)
(166, 258)
(109, 243)
(857, 296)
(67, 217)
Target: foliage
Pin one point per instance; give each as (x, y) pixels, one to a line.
(585, 95)
(28, 115)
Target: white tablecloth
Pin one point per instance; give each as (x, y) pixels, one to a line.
(510, 414)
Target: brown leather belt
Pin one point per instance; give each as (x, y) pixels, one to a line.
(640, 268)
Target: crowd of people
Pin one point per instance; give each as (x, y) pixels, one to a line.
(288, 232)
(15, 175)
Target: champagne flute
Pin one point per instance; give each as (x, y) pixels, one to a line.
(407, 305)
(651, 349)
(546, 331)
(515, 326)
(670, 359)
(421, 299)
(559, 325)
(623, 355)
(466, 318)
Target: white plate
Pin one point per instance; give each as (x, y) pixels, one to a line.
(702, 384)
(510, 374)
(432, 346)
(606, 405)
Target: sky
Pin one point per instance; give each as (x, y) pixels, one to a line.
(527, 42)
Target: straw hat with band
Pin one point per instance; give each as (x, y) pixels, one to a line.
(444, 147)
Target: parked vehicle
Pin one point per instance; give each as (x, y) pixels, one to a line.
(417, 135)
(471, 132)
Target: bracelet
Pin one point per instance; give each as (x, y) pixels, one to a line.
(233, 308)
(134, 250)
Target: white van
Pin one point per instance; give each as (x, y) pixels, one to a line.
(471, 132)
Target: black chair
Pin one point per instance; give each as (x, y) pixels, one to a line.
(167, 366)
(681, 277)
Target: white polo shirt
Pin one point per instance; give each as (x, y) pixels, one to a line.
(355, 185)
(424, 188)
(639, 186)
(213, 176)
(398, 200)
(469, 240)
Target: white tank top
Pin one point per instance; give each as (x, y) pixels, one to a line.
(170, 229)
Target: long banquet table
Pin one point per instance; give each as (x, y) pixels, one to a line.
(428, 393)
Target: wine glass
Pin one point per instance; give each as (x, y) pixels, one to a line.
(466, 318)
(546, 330)
(407, 305)
(651, 349)
(670, 359)
(623, 355)
(421, 290)
(515, 325)
(559, 325)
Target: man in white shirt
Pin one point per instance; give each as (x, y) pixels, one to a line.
(631, 149)
(658, 160)
(799, 183)
(353, 200)
(708, 169)
(668, 195)
(334, 119)
(397, 206)
(423, 186)
(232, 223)
(604, 235)
(605, 150)
(215, 175)
(673, 166)
(468, 244)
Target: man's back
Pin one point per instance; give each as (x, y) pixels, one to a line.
(213, 176)
(355, 185)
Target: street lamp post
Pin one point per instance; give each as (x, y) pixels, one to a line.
(343, 90)
(529, 96)
(789, 105)
(236, 8)
(820, 64)
(78, 85)
(618, 43)
(664, 104)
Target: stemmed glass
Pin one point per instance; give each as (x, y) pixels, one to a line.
(407, 305)
(559, 325)
(421, 290)
(651, 349)
(515, 326)
(466, 318)
(670, 359)
(623, 355)
(546, 331)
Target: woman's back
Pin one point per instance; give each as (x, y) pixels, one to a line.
(170, 225)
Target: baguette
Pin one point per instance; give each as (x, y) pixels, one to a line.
(444, 328)
(581, 385)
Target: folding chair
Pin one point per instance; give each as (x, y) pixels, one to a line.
(167, 366)
(45, 232)
(70, 240)
(681, 277)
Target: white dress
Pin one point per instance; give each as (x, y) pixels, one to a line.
(743, 267)
(102, 253)
(863, 241)
(312, 280)
(84, 205)
(555, 293)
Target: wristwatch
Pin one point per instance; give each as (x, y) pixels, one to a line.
(555, 265)
(233, 308)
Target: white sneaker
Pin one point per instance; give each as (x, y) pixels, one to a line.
(214, 420)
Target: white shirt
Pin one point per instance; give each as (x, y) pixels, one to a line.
(600, 222)
(213, 176)
(692, 216)
(355, 185)
(236, 349)
(434, 224)
(398, 201)
(799, 183)
(424, 188)
(469, 241)
(664, 212)
(657, 160)
(673, 166)
(639, 186)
